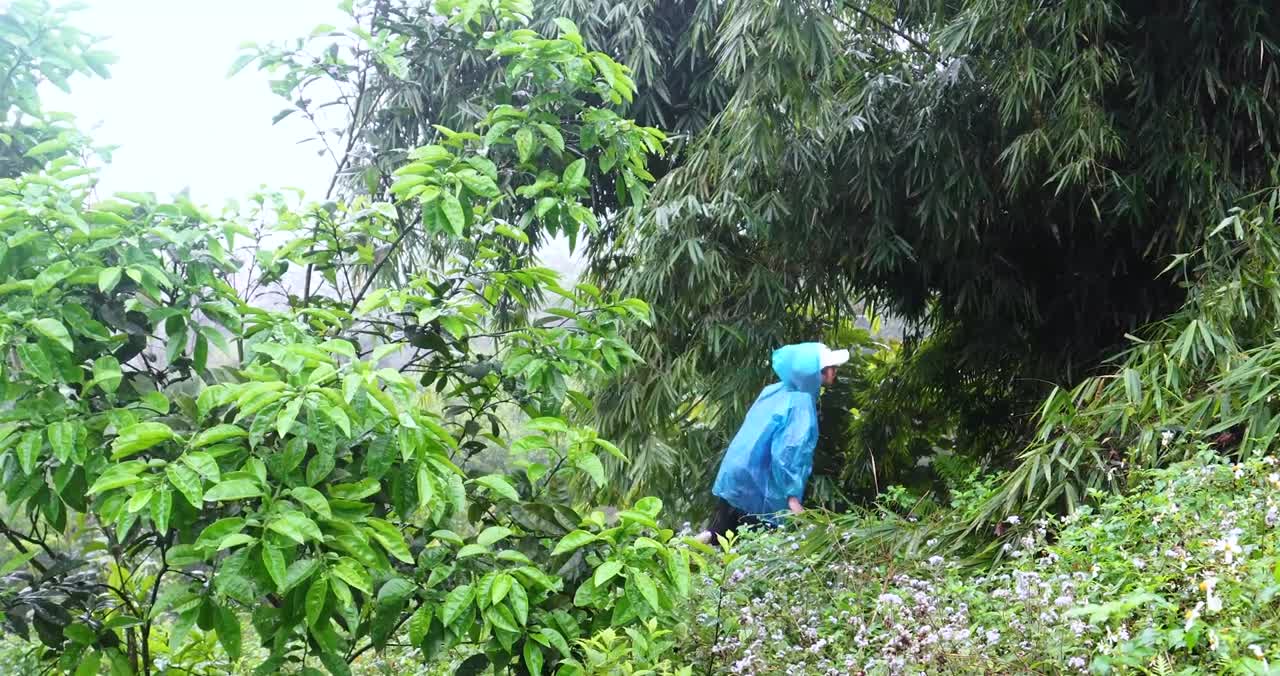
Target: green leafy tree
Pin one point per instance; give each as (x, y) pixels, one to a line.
(1010, 176)
(178, 457)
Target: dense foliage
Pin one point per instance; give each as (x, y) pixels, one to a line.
(1014, 175)
(366, 434)
(178, 455)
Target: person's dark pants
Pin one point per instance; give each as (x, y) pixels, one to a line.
(729, 518)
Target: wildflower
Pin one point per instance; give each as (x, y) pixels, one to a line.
(1274, 480)
(993, 636)
(1013, 520)
(1076, 662)
(1229, 546)
(1256, 650)
(1193, 614)
(1272, 517)
(1166, 437)
(936, 561)
(1139, 563)
(1270, 460)
(892, 599)
(1237, 470)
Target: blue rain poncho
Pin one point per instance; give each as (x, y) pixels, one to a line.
(771, 456)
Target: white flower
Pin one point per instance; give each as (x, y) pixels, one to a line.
(1013, 520)
(1274, 480)
(992, 636)
(1256, 650)
(936, 561)
(1139, 563)
(892, 599)
(1229, 546)
(1237, 470)
(1193, 615)
(1166, 437)
(1076, 662)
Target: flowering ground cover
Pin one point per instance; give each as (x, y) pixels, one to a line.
(1179, 576)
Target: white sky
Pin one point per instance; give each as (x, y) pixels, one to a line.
(179, 121)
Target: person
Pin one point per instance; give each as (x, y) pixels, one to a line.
(766, 467)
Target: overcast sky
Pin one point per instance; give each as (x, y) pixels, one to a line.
(179, 121)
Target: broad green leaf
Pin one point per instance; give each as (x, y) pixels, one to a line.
(107, 374)
(139, 437)
(351, 572)
(518, 598)
(219, 530)
(139, 500)
(50, 276)
(500, 617)
(314, 500)
(472, 550)
(455, 603)
(419, 625)
(228, 626)
(235, 540)
(574, 173)
(548, 424)
(187, 482)
(54, 331)
(492, 534)
(426, 490)
(287, 416)
(592, 466)
(573, 541)
(553, 136)
(390, 538)
(532, 658)
(606, 571)
(678, 571)
(499, 485)
(649, 505)
(632, 516)
(29, 451)
(299, 571)
(645, 585)
(118, 476)
(316, 596)
(216, 434)
(80, 633)
(394, 592)
(204, 464)
(511, 233)
(62, 439)
(296, 526)
(501, 586)
(108, 278)
(524, 144)
(452, 210)
(556, 639)
(273, 561)
(162, 509)
(355, 491)
(233, 489)
(448, 536)
(36, 362)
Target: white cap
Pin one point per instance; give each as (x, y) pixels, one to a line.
(829, 357)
